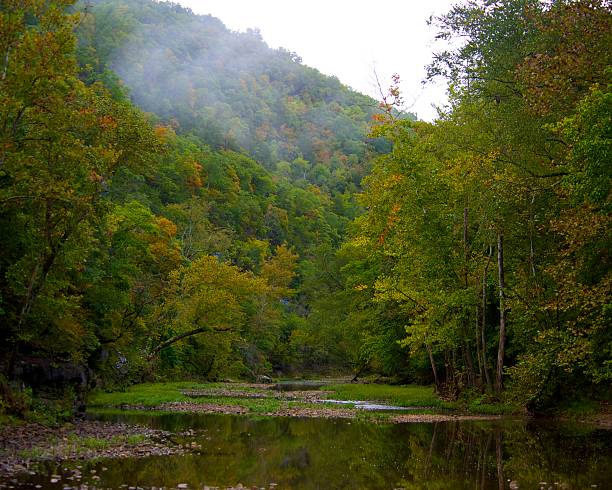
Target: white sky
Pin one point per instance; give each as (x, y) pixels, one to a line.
(348, 38)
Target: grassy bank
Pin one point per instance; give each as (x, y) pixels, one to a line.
(154, 394)
(147, 394)
(260, 399)
(257, 399)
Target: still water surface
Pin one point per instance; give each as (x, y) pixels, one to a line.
(297, 453)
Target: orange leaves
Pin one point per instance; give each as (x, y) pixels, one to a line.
(195, 179)
(167, 256)
(394, 179)
(262, 131)
(162, 246)
(161, 132)
(94, 177)
(107, 122)
(393, 98)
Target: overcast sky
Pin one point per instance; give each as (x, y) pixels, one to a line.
(347, 38)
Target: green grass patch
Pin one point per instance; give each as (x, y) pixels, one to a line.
(476, 407)
(135, 439)
(8, 420)
(155, 394)
(254, 405)
(482, 404)
(33, 453)
(78, 445)
(403, 396)
(578, 409)
(149, 394)
(111, 411)
(92, 442)
(99, 443)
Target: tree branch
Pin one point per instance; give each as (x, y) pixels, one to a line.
(181, 336)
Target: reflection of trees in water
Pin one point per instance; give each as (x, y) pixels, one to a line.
(456, 455)
(482, 456)
(318, 453)
(575, 455)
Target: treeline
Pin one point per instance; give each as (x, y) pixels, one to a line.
(137, 245)
(225, 233)
(485, 248)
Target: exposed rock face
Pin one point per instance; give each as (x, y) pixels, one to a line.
(51, 377)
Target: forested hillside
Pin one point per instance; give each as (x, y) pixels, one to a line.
(179, 200)
(228, 88)
(188, 240)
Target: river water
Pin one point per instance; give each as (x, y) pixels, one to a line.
(307, 453)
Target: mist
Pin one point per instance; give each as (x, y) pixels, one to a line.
(232, 90)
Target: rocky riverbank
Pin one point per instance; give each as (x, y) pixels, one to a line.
(309, 411)
(23, 447)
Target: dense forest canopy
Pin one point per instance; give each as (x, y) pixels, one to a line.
(180, 200)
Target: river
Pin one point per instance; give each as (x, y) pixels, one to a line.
(311, 453)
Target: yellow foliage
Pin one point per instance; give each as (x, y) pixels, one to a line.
(167, 227)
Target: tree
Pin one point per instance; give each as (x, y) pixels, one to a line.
(60, 143)
(204, 296)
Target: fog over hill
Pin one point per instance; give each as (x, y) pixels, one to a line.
(228, 88)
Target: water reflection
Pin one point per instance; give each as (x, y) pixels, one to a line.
(340, 454)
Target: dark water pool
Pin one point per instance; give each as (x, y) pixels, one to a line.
(296, 453)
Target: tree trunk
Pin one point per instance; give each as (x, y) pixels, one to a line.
(432, 444)
(467, 353)
(531, 247)
(433, 367)
(483, 337)
(6, 63)
(469, 361)
(43, 266)
(478, 346)
(454, 372)
(502, 314)
(465, 247)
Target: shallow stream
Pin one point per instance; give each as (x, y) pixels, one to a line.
(308, 453)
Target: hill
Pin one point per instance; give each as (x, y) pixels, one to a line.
(228, 88)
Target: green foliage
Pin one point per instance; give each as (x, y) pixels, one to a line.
(222, 233)
(21, 403)
(62, 143)
(521, 160)
(113, 206)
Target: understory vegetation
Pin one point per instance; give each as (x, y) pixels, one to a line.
(179, 201)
